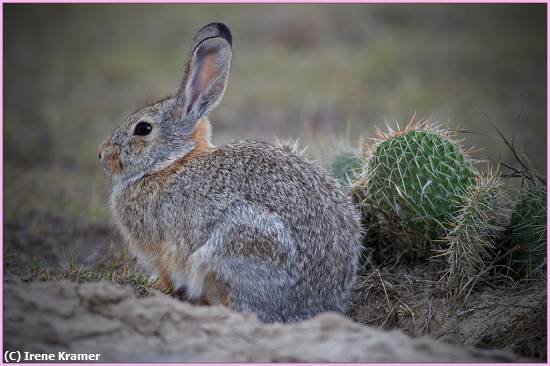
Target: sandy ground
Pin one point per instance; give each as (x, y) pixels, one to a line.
(512, 320)
(101, 318)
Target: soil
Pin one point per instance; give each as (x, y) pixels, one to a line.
(49, 317)
(404, 317)
(52, 241)
(490, 318)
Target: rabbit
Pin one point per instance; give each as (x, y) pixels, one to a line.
(248, 225)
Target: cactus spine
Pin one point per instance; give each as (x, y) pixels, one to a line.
(346, 168)
(414, 179)
(473, 230)
(528, 230)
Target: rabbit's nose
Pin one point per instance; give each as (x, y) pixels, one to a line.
(100, 151)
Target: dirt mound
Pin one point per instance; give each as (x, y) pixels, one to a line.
(102, 318)
(491, 317)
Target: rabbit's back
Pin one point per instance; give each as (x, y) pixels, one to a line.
(321, 221)
(301, 192)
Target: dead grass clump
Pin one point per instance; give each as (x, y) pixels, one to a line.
(120, 270)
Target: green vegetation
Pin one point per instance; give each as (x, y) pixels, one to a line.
(473, 230)
(346, 168)
(414, 180)
(528, 230)
(422, 199)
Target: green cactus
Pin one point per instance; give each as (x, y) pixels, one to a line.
(346, 168)
(415, 178)
(528, 230)
(473, 230)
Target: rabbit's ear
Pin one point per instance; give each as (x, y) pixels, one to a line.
(206, 72)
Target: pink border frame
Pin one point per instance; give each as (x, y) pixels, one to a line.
(251, 2)
(281, 2)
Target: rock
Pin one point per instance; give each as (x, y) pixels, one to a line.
(102, 318)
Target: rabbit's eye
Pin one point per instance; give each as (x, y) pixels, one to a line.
(143, 128)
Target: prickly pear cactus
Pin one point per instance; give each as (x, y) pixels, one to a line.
(346, 168)
(474, 229)
(415, 177)
(528, 230)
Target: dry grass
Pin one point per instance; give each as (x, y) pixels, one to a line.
(120, 270)
(413, 299)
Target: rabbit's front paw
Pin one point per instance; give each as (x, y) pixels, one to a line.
(181, 294)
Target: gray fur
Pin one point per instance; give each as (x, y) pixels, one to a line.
(271, 227)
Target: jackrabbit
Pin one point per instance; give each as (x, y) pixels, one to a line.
(247, 224)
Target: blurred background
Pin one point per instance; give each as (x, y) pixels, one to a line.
(326, 74)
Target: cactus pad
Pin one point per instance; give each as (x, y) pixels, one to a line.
(415, 176)
(528, 230)
(346, 168)
(473, 230)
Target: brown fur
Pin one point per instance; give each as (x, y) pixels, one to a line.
(164, 279)
(201, 136)
(215, 292)
(111, 156)
(224, 297)
(169, 262)
(163, 262)
(114, 163)
(166, 261)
